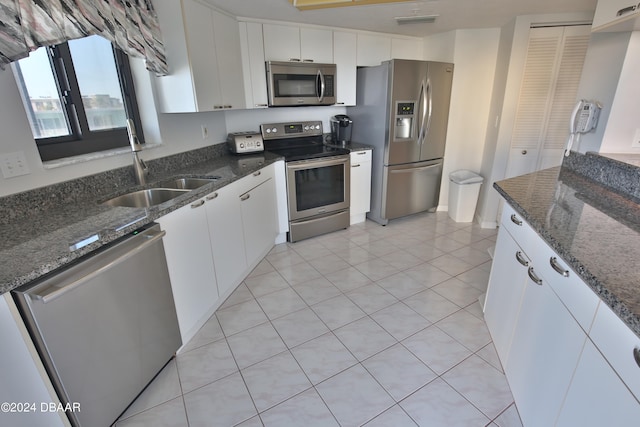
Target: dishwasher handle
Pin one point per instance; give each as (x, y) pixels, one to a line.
(151, 236)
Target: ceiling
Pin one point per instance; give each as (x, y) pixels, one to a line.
(453, 14)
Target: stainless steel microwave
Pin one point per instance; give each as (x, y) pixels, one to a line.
(300, 83)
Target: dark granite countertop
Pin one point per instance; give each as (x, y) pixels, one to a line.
(44, 229)
(594, 229)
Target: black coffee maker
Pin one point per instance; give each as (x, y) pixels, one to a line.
(341, 127)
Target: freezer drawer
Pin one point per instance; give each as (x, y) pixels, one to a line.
(409, 189)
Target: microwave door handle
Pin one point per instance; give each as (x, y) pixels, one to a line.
(320, 85)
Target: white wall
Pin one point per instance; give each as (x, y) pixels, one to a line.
(508, 78)
(474, 54)
(599, 80)
(624, 120)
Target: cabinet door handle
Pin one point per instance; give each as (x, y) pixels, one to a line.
(557, 267)
(626, 10)
(515, 219)
(212, 196)
(197, 204)
(361, 153)
(294, 59)
(257, 173)
(521, 259)
(261, 105)
(245, 197)
(307, 60)
(636, 355)
(355, 166)
(532, 276)
(524, 152)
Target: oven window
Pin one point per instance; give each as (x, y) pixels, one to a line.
(319, 187)
(295, 85)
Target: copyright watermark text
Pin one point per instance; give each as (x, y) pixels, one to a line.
(23, 407)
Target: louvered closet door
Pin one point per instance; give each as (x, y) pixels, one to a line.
(555, 56)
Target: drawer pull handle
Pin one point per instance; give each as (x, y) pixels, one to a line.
(557, 267)
(257, 173)
(197, 204)
(521, 259)
(245, 197)
(361, 153)
(532, 276)
(212, 196)
(626, 10)
(355, 166)
(515, 219)
(636, 355)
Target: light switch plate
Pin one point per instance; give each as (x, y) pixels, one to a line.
(14, 164)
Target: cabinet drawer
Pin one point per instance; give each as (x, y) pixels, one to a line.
(576, 295)
(519, 229)
(360, 156)
(256, 178)
(618, 344)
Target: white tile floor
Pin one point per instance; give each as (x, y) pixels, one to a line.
(375, 326)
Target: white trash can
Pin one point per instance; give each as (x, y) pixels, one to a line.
(463, 194)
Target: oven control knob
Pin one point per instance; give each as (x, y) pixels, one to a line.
(268, 130)
(274, 130)
(241, 145)
(306, 128)
(317, 126)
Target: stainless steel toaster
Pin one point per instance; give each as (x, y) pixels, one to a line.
(245, 142)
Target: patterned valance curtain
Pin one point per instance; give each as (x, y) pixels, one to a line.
(132, 25)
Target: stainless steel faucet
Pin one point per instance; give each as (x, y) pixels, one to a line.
(140, 169)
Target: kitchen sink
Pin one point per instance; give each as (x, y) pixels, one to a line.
(185, 183)
(145, 198)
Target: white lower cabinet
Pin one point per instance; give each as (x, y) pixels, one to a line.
(226, 235)
(259, 219)
(597, 396)
(360, 194)
(504, 293)
(191, 269)
(544, 352)
(569, 360)
(213, 243)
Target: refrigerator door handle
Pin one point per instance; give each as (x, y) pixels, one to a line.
(429, 93)
(422, 99)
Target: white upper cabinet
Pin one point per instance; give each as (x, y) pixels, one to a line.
(293, 43)
(616, 15)
(203, 53)
(373, 49)
(316, 45)
(344, 56)
(253, 68)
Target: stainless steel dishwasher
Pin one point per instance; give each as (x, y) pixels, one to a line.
(105, 326)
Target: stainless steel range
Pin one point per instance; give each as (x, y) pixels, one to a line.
(318, 178)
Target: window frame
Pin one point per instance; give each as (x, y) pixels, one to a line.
(81, 139)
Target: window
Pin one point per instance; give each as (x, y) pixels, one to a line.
(78, 96)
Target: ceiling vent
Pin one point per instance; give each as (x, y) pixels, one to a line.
(416, 19)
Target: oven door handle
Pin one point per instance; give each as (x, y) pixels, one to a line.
(318, 163)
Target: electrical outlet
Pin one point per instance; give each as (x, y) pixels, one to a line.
(14, 164)
(205, 132)
(636, 139)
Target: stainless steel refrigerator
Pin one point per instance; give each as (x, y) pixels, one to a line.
(402, 111)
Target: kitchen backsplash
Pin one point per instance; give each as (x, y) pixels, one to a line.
(618, 176)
